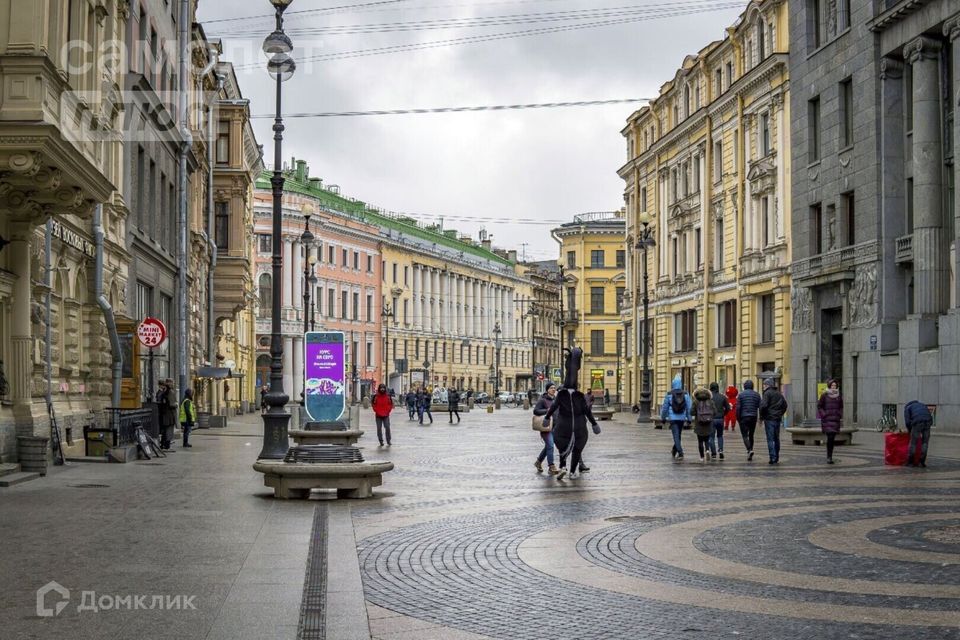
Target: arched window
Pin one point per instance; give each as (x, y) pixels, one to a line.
(266, 295)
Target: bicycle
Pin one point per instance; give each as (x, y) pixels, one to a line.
(887, 423)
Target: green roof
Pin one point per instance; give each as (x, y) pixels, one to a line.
(297, 181)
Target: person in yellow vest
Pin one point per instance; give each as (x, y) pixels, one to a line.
(188, 416)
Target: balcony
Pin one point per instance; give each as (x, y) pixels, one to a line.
(570, 316)
(904, 253)
(232, 283)
(836, 261)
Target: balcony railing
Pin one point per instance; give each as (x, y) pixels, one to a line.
(904, 249)
(842, 259)
(571, 316)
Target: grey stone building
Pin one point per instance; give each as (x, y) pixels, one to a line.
(875, 292)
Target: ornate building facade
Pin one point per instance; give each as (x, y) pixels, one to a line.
(875, 205)
(709, 160)
(544, 311)
(593, 263)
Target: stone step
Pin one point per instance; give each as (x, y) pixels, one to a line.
(8, 468)
(12, 479)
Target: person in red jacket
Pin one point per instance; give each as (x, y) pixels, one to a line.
(730, 418)
(382, 406)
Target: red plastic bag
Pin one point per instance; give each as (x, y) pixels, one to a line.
(895, 448)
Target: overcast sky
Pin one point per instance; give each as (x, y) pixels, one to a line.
(476, 169)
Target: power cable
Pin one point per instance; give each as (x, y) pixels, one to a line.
(306, 11)
(496, 107)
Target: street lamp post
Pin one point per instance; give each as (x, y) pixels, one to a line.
(386, 313)
(496, 373)
(306, 239)
(276, 419)
(644, 242)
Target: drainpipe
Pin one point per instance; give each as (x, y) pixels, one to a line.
(105, 307)
(182, 228)
(48, 282)
(211, 242)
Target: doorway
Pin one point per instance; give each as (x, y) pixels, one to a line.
(831, 345)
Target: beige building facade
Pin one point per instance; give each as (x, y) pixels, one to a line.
(709, 161)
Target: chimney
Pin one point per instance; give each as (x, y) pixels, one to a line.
(512, 255)
(486, 243)
(302, 171)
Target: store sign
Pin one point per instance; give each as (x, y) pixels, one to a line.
(73, 239)
(151, 333)
(324, 387)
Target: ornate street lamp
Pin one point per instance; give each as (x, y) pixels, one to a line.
(644, 242)
(306, 239)
(276, 419)
(386, 314)
(496, 380)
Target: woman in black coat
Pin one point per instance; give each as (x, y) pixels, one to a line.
(570, 413)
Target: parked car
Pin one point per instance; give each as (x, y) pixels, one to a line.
(507, 398)
(481, 398)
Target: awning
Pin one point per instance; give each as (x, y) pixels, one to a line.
(217, 373)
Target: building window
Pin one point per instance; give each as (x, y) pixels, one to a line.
(369, 359)
(766, 222)
(698, 242)
(761, 40)
(620, 292)
(369, 264)
(729, 74)
(221, 226)
(816, 229)
(572, 298)
(223, 142)
(685, 331)
(266, 295)
(356, 260)
(596, 300)
(406, 275)
(717, 161)
(621, 258)
(718, 248)
(596, 342)
(843, 14)
(643, 199)
(727, 324)
(343, 305)
(765, 134)
(571, 260)
(735, 151)
(849, 218)
(596, 259)
(331, 255)
(765, 305)
(814, 24)
(846, 113)
(406, 311)
(813, 130)
(331, 302)
(369, 307)
(265, 243)
(345, 255)
(676, 257)
(394, 273)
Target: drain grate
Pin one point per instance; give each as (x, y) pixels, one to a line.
(89, 485)
(313, 607)
(632, 519)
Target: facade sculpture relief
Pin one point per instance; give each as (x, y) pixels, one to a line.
(862, 299)
(801, 300)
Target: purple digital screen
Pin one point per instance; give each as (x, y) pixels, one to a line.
(325, 377)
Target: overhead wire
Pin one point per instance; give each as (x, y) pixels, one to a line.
(460, 109)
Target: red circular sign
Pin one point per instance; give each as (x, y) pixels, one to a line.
(151, 333)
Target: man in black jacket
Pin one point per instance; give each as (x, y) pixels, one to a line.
(773, 406)
(453, 404)
(748, 408)
(721, 405)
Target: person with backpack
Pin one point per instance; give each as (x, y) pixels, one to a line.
(721, 407)
(704, 412)
(188, 417)
(382, 406)
(773, 406)
(748, 412)
(676, 410)
(730, 417)
(167, 412)
(918, 420)
(453, 404)
(830, 414)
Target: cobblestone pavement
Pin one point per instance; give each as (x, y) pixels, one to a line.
(465, 540)
(468, 541)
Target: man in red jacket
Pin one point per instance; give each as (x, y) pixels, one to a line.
(382, 406)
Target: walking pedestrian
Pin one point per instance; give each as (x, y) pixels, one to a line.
(572, 413)
(606, 397)
(264, 390)
(748, 412)
(167, 412)
(541, 409)
(676, 410)
(382, 406)
(730, 417)
(424, 400)
(411, 400)
(188, 417)
(704, 412)
(918, 420)
(721, 406)
(830, 413)
(453, 404)
(773, 406)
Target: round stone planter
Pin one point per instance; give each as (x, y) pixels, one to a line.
(32, 453)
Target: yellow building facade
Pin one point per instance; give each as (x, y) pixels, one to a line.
(593, 261)
(709, 162)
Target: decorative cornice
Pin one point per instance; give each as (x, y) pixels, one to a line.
(894, 15)
(890, 68)
(922, 48)
(951, 28)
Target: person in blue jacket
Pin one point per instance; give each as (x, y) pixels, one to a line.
(676, 410)
(918, 421)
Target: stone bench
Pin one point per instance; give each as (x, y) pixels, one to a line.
(325, 436)
(814, 435)
(602, 414)
(296, 479)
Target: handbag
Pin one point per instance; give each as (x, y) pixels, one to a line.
(538, 424)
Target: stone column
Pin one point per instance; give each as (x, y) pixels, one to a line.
(782, 149)
(296, 275)
(297, 369)
(951, 29)
(416, 296)
(892, 201)
(288, 369)
(20, 366)
(930, 266)
(287, 267)
(427, 299)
